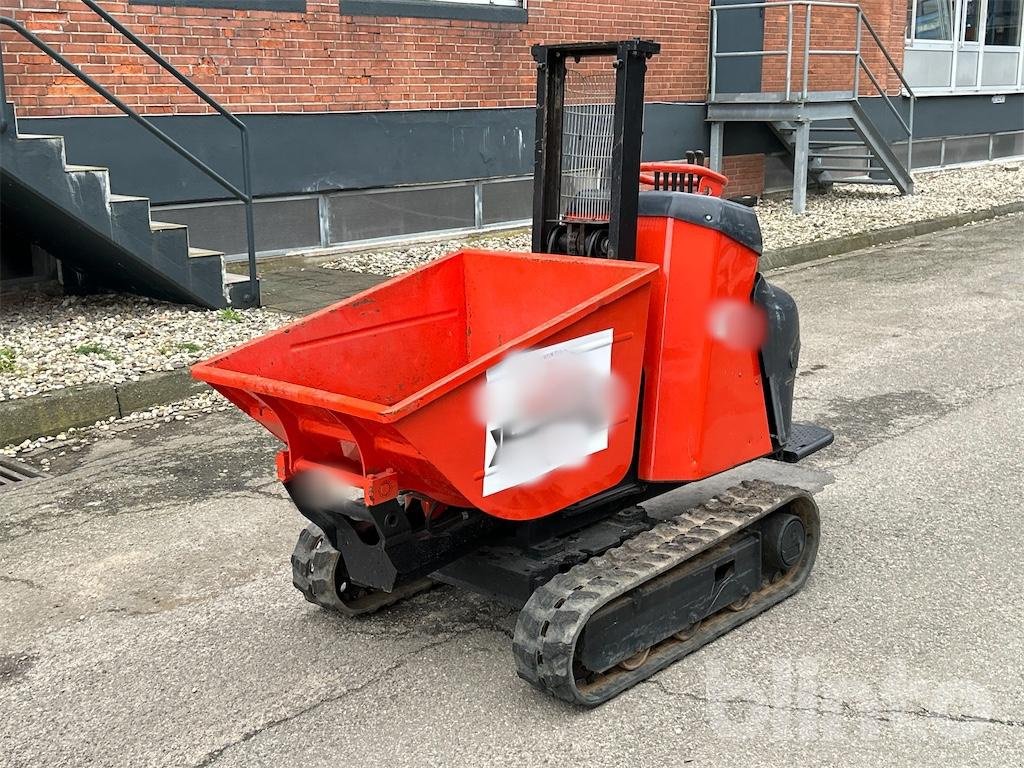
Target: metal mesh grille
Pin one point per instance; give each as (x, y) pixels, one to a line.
(12, 471)
(589, 109)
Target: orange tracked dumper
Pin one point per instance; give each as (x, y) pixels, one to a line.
(504, 416)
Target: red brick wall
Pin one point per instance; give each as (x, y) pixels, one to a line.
(746, 174)
(834, 29)
(322, 61)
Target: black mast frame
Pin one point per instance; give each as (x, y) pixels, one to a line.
(630, 62)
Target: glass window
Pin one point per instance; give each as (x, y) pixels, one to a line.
(934, 20)
(1002, 22)
(971, 20)
(511, 11)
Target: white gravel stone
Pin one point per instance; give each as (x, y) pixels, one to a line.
(844, 211)
(49, 343)
(395, 261)
(850, 209)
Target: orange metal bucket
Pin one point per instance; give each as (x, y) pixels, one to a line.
(384, 390)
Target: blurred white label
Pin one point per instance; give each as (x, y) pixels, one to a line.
(546, 408)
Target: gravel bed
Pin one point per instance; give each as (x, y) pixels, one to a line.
(395, 261)
(850, 209)
(49, 343)
(846, 210)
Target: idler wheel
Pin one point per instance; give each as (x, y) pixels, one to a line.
(784, 541)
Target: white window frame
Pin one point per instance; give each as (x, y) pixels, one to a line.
(958, 44)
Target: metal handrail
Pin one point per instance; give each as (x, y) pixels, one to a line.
(244, 195)
(808, 51)
(885, 52)
(878, 87)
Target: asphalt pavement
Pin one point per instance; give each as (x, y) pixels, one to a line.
(147, 615)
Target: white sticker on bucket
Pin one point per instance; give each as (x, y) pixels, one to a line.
(546, 408)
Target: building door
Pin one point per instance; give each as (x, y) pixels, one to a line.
(741, 29)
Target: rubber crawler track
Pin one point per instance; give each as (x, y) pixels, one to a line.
(314, 566)
(554, 617)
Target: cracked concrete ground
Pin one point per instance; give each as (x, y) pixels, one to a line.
(148, 617)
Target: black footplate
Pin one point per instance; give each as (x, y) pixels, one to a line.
(805, 439)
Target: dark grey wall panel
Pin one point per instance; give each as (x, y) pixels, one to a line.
(937, 116)
(507, 200)
(1008, 145)
(966, 150)
(671, 129)
(927, 154)
(280, 224)
(966, 115)
(399, 212)
(299, 153)
(740, 30)
(314, 152)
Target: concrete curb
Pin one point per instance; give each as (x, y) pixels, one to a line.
(798, 254)
(53, 412)
(50, 413)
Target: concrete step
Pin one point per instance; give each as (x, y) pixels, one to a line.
(847, 169)
(200, 253)
(130, 225)
(840, 156)
(240, 292)
(74, 214)
(862, 180)
(206, 276)
(158, 226)
(168, 250)
(85, 169)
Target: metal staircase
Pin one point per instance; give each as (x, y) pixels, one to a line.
(830, 135)
(107, 239)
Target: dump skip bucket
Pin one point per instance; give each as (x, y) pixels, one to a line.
(502, 381)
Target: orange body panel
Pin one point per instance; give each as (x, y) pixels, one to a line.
(382, 390)
(703, 406)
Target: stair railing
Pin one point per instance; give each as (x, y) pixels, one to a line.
(244, 195)
(806, 52)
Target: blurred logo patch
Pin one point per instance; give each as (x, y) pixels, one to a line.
(546, 408)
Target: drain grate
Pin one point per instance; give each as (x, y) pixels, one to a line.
(12, 472)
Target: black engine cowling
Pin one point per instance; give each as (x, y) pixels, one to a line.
(780, 354)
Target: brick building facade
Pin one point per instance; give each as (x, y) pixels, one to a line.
(401, 100)
(324, 60)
